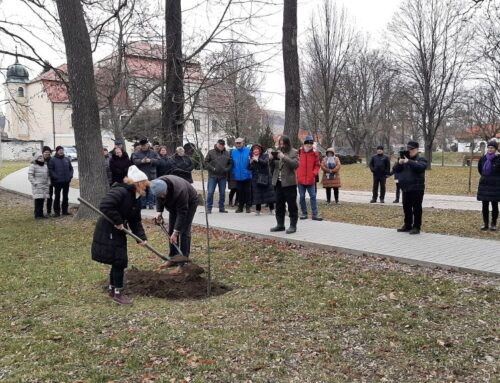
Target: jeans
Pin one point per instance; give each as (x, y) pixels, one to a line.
(412, 207)
(494, 212)
(378, 180)
(213, 182)
(286, 196)
(311, 189)
(58, 187)
(148, 200)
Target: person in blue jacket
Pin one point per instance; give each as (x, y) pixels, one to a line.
(242, 175)
(410, 170)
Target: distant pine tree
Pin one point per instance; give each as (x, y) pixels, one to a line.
(266, 139)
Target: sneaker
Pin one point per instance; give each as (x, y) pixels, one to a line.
(414, 231)
(316, 218)
(404, 229)
(277, 228)
(303, 216)
(121, 299)
(395, 201)
(239, 210)
(257, 212)
(291, 230)
(223, 210)
(373, 200)
(493, 228)
(248, 209)
(484, 227)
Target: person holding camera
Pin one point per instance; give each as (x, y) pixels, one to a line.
(380, 166)
(410, 170)
(284, 166)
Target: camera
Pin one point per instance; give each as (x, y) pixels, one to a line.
(404, 154)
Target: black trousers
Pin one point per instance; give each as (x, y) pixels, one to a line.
(49, 200)
(184, 237)
(379, 180)
(233, 193)
(329, 194)
(494, 212)
(412, 207)
(286, 196)
(58, 187)
(116, 276)
(39, 207)
(244, 193)
(398, 191)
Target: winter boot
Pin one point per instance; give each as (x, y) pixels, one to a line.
(280, 226)
(121, 298)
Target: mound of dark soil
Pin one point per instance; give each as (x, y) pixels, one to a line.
(159, 284)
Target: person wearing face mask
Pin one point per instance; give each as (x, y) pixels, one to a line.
(38, 175)
(306, 177)
(489, 185)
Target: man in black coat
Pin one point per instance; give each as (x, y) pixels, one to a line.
(410, 170)
(180, 199)
(380, 166)
(61, 174)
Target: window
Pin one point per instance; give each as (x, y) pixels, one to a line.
(215, 126)
(196, 125)
(20, 92)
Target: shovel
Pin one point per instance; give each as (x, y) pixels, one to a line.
(178, 258)
(128, 232)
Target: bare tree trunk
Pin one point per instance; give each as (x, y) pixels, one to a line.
(173, 104)
(291, 69)
(82, 90)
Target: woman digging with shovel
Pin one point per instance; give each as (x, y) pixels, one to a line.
(123, 207)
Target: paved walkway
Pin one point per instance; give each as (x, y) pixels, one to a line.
(451, 252)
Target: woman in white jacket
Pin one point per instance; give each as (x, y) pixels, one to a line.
(38, 175)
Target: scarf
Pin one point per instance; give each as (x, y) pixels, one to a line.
(331, 162)
(488, 165)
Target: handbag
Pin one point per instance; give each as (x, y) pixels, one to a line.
(262, 179)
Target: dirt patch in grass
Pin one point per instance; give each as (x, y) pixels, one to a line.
(159, 284)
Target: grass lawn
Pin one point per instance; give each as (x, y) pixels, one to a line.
(440, 221)
(11, 166)
(439, 180)
(293, 315)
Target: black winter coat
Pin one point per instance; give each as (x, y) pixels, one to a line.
(148, 168)
(122, 207)
(181, 195)
(262, 193)
(411, 176)
(119, 168)
(60, 169)
(489, 186)
(218, 163)
(163, 167)
(181, 166)
(380, 165)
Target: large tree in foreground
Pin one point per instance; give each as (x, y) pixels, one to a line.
(82, 90)
(432, 44)
(291, 69)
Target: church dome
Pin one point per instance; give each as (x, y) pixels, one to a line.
(17, 73)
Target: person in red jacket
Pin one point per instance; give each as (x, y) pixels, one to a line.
(306, 177)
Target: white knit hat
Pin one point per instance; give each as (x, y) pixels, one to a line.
(136, 175)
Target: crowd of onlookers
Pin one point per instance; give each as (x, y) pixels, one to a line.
(264, 177)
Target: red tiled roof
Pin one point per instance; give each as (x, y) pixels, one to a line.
(56, 91)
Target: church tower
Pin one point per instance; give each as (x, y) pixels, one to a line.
(16, 89)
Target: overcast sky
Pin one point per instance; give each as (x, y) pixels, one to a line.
(369, 16)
